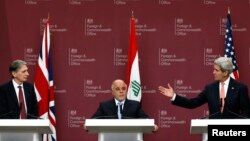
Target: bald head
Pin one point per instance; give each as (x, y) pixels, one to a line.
(119, 89)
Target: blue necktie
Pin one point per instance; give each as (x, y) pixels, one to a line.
(119, 113)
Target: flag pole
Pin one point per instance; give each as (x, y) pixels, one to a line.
(228, 10)
(133, 74)
(48, 18)
(48, 15)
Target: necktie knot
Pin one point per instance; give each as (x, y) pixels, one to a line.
(222, 90)
(222, 83)
(119, 103)
(20, 94)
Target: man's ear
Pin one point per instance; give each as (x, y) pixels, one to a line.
(13, 73)
(226, 73)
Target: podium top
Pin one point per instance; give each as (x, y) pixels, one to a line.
(119, 125)
(199, 126)
(25, 125)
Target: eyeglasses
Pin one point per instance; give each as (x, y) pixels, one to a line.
(120, 88)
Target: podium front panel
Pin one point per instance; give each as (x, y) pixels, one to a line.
(119, 125)
(120, 137)
(119, 129)
(20, 136)
(24, 130)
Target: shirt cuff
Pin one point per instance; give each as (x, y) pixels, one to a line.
(173, 98)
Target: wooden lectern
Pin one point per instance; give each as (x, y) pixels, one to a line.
(23, 130)
(120, 129)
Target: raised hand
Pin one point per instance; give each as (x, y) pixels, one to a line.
(167, 91)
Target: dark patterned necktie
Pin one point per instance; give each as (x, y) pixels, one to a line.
(21, 103)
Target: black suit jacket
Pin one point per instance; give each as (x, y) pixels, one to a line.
(9, 106)
(108, 110)
(237, 103)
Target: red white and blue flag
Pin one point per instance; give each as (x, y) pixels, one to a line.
(44, 86)
(229, 47)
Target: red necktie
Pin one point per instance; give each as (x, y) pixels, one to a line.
(222, 96)
(21, 103)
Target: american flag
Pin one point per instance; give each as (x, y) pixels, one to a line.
(229, 47)
(44, 86)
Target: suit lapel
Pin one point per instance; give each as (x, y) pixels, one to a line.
(217, 94)
(230, 90)
(13, 94)
(26, 93)
(114, 107)
(125, 107)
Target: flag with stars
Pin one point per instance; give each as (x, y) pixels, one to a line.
(229, 47)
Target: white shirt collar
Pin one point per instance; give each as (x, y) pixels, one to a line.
(226, 82)
(15, 84)
(116, 102)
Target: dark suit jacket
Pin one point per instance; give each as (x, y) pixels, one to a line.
(108, 110)
(237, 103)
(9, 106)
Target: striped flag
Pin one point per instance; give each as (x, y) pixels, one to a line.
(133, 74)
(44, 86)
(229, 47)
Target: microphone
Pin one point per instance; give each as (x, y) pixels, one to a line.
(33, 116)
(5, 114)
(211, 115)
(238, 115)
(124, 117)
(218, 112)
(105, 117)
(28, 114)
(115, 117)
(226, 109)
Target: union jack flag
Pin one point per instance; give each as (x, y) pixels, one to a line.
(229, 47)
(44, 86)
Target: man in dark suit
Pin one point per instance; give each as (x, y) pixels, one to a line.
(129, 109)
(17, 97)
(226, 97)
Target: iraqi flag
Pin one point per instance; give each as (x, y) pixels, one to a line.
(133, 74)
